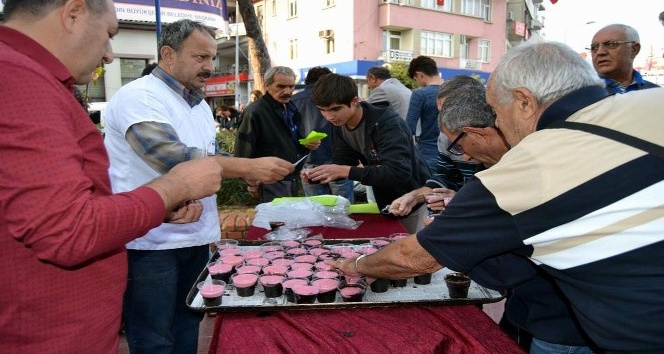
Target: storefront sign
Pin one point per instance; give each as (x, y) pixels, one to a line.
(213, 13)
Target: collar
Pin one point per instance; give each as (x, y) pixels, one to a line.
(192, 97)
(569, 104)
(637, 82)
(35, 51)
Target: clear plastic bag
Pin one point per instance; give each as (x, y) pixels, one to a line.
(329, 210)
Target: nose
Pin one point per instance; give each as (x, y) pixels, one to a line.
(108, 55)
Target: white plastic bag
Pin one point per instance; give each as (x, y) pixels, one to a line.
(327, 210)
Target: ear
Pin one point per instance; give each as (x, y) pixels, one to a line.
(72, 14)
(167, 53)
(525, 102)
(636, 48)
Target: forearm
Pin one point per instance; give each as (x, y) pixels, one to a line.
(402, 259)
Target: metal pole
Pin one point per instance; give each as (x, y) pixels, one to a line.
(157, 9)
(237, 59)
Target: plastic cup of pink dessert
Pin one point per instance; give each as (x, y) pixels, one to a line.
(220, 271)
(352, 292)
(288, 285)
(327, 289)
(275, 270)
(272, 285)
(305, 294)
(211, 291)
(245, 284)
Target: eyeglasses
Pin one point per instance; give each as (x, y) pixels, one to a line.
(454, 147)
(608, 45)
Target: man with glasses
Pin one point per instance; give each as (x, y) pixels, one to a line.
(613, 50)
(454, 166)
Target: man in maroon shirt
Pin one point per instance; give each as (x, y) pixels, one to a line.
(62, 232)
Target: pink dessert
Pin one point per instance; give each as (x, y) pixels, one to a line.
(275, 269)
(312, 242)
(262, 262)
(274, 254)
(318, 251)
(299, 273)
(368, 250)
(325, 285)
(290, 283)
(286, 262)
(271, 279)
(342, 249)
(298, 266)
(249, 269)
(229, 252)
(250, 254)
(233, 260)
(326, 257)
(297, 251)
(323, 266)
(379, 242)
(290, 243)
(305, 290)
(245, 280)
(306, 258)
(327, 274)
(350, 255)
(211, 290)
(350, 291)
(271, 247)
(219, 268)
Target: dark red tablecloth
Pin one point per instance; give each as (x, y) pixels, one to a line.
(373, 226)
(424, 329)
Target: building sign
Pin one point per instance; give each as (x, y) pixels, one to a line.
(222, 85)
(520, 28)
(213, 13)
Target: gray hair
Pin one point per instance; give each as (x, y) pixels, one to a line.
(39, 8)
(379, 72)
(631, 35)
(466, 107)
(549, 70)
(174, 34)
(269, 74)
(455, 83)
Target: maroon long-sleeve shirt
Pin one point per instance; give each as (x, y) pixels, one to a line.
(62, 232)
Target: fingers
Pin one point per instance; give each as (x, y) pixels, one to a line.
(189, 212)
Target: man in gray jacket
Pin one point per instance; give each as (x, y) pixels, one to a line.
(387, 90)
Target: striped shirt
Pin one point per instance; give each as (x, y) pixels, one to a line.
(588, 210)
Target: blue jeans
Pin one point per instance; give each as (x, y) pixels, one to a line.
(539, 346)
(157, 319)
(430, 155)
(343, 188)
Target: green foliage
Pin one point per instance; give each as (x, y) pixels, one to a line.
(233, 190)
(399, 71)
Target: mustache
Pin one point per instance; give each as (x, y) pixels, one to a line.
(285, 96)
(205, 74)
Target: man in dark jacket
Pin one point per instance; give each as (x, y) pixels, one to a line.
(272, 127)
(312, 119)
(376, 137)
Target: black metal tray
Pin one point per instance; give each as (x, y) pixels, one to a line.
(434, 293)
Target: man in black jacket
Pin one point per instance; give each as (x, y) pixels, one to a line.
(272, 127)
(376, 137)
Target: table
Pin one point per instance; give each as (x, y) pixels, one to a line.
(421, 329)
(405, 329)
(373, 225)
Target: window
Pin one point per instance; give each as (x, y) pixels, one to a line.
(464, 48)
(477, 8)
(131, 69)
(328, 40)
(436, 43)
(259, 14)
(433, 4)
(484, 50)
(329, 3)
(274, 7)
(292, 8)
(293, 49)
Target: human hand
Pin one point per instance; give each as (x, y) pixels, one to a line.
(254, 188)
(328, 173)
(313, 145)
(187, 212)
(438, 198)
(344, 265)
(269, 169)
(403, 205)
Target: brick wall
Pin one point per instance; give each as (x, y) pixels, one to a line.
(235, 223)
